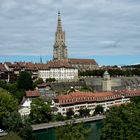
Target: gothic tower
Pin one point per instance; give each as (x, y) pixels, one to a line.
(59, 48)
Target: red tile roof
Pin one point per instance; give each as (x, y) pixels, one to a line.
(42, 85)
(55, 64)
(30, 66)
(41, 66)
(2, 68)
(59, 64)
(76, 97)
(13, 66)
(82, 61)
(130, 93)
(32, 93)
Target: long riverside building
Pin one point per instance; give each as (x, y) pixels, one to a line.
(89, 100)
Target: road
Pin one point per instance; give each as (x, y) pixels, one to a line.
(61, 123)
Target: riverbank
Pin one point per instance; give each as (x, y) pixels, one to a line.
(61, 123)
(50, 134)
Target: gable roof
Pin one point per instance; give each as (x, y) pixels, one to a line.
(32, 93)
(2, 68)
(82, 61)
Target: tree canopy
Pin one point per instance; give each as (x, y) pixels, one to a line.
(40, 111)
(50, 80)
(69, 113)
(13, 89)
(72, 131)
(14, 123)
(122, 123)
(8, 104)
(25, 81)
(10, 119)
(84, 112)
(38, 81)
(99, 109)
(112, 72)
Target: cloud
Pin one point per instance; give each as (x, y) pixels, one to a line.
(97, 27)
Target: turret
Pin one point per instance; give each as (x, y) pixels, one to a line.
(106, 82)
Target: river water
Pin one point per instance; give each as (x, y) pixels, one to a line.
(49, 134)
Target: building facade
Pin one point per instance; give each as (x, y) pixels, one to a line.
(60, 51)
(59, 48)
(59, 70)
(106, 82)
(83, 64)
(80, 100)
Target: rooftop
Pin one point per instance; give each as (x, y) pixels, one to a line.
(32, 93)
(82, 61)
(76, 97)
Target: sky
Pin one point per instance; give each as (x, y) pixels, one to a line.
(105, 30)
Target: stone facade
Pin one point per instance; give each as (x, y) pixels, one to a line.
(106, 82)
(59, 49)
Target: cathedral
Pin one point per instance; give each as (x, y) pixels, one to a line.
(60, 51)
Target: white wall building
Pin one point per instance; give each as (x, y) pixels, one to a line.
(78, 100)
(59, 69)
(60, 74)
(25, 108)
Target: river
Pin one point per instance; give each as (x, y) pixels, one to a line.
(49, 134)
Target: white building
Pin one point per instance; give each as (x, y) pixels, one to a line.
(89, 100)
(59, 69)
(25, 108)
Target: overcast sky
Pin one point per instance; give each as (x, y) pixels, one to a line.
(107, 30)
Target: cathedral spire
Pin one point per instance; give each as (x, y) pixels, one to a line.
(59, 48)
(59, 25)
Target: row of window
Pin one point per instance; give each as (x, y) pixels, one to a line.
(92, 106)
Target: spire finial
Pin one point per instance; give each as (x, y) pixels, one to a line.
(40, 59)
(59, 26)
(58, 12)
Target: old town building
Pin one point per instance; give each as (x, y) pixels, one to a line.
(60, 51)
(61, 70)
(89, 100)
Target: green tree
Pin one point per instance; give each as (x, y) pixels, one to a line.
(13, 122)
(13, 89)
(86, 88)
(122, 123)
(8, 104)
(58, 117)
(83, 112)
(38, 81)
(25, 81)
(69, 113)
(135, 100)
(40, 111)
(26, 130)
(10, 136)
(50, 80)
(3, 84)
(72, 131)
(99, 109)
